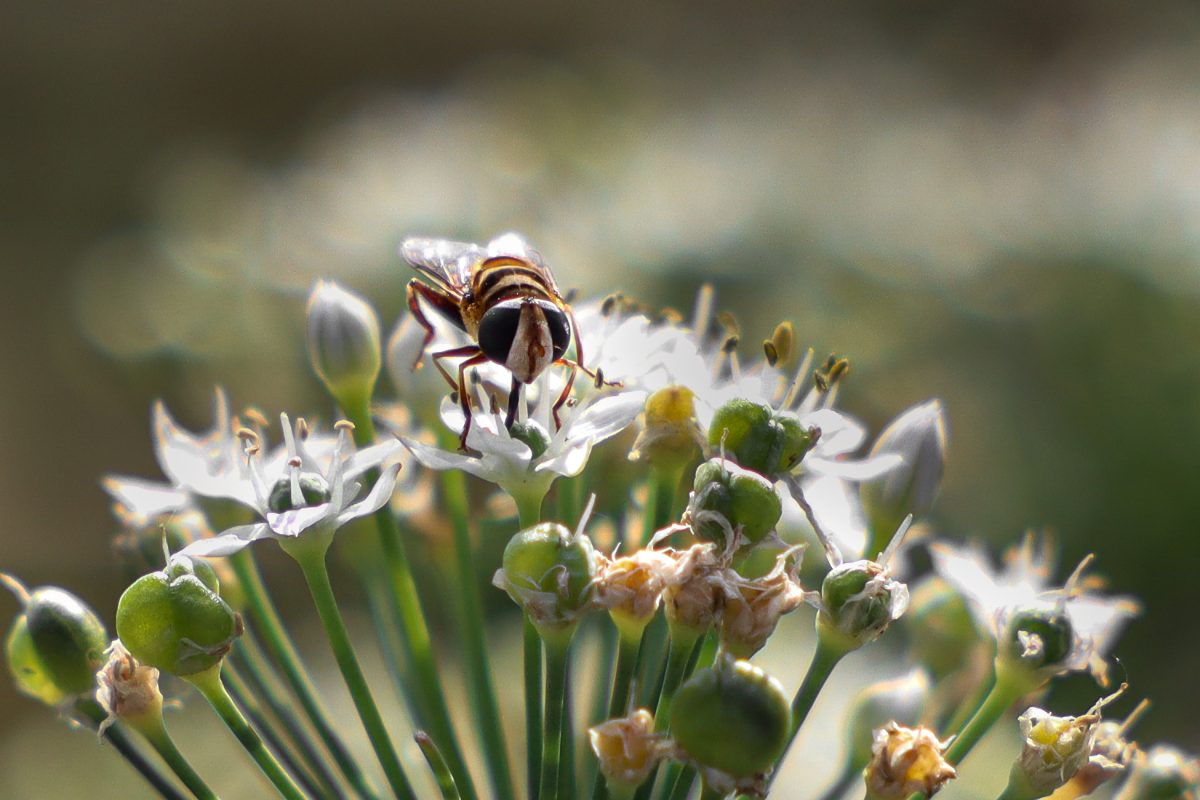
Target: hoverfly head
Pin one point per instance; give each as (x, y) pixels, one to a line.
(526, 335)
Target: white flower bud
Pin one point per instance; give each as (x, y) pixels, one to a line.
(343, 342)
(918, 437)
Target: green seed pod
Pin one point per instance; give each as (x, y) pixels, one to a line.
(532, 435)
(859, 601)
(744, 499)
(759, 438)
(313, 489)
(55, 646)
(343, 342)
(940, 628)
(733, 718)
(1038, 637)
(175, 620)
(548, 571)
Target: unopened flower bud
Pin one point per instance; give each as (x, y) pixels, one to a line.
(175, 619)
(918, 437)
(1162, 773)
(940, 628)
(906, 760)
(628, 750)
(728, 499)
(55, 645)
(343, 342)
(732, 718)
(753, 607)
(631, 588)
(670, 437)
(126, 689)
(759, 438)
(549, 572)
(900, 700)
(859, 600)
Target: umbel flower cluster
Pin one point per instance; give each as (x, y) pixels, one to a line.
(664, 497)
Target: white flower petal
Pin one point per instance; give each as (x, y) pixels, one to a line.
(296, 521)
(835, 505)
(605, 417)
(227, 543)
(376, 499)
(840, 433)
(142, 500)
(860, 470)
(369, 458)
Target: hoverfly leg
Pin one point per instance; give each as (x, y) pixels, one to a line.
(514, 399)
(457, 352)
(445, 305)
(464, 397)
(566, 392)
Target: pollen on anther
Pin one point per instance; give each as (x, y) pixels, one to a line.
(343, 425)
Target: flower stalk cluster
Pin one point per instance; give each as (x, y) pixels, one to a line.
(732, 508)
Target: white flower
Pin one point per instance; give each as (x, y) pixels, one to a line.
(511, 463)
(1022, 587)
(306, 492)
(137, 502)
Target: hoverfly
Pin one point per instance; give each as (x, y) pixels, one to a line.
(506, 300)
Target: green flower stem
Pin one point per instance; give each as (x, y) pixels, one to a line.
(475, 646)
(1019, 789)
(962, 715)
(267, 623)
(529, 512)
(1004, 692)
(683, 783)
(557, 646)
(251, 662)
(309, 553)
(533, 706)
(437, 763)
(209, 684)
(154, 731)
(247, 702)
(628, 642)
(606, 662)
(682, 645)
(659, 500)
(566, 742)
(434, 714)
(387, 631)
(677, 777)
(119, 739)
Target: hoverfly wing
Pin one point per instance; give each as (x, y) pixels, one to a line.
(515, 245)
(445, 261)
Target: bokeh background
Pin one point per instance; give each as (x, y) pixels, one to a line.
(997, 204)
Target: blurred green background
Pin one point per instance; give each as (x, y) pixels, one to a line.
(996, 204)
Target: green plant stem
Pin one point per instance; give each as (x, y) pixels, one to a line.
(533, 706)
(618, 698)
(964, 712)
(566, 742)
(676, 773)
(683, 784)
(557, 648)
(432, 713)
(125, 747)
(311, 558)
(659, 500)
(678, 657)
(252, 710)
(209, 684)
(249, 659)
(437, 763)
(606, 661)
(267, 623)
(475, 646)
(1001, 696)
(154, 731)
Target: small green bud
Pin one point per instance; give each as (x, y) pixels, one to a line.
(175, 620)
(859, 601)
(55, 645)
(670, 437)
(918, 437)
(313, 489)
(733, 718)
(760, 438)
(1163, 773)
(1038, 637)
(549, 572)
(343, 342)
(532, 435)
(726, 493)
(940, 628)
(900, 700)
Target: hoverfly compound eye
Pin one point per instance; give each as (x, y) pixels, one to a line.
(560, 329)
(498, 330)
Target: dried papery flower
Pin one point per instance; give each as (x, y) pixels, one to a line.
(631, 587)
(1112, 753)
(693, 598)
(1055, 748)
(628, 750)
(907, 760)
(753, 607)
(127, 689)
